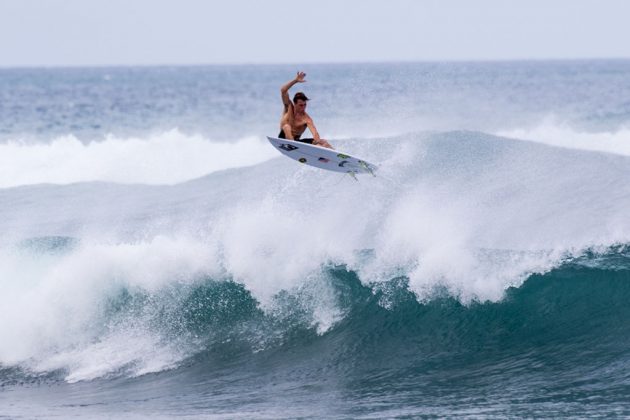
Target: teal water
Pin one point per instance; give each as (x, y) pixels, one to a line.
(483, 273)
(555, 346)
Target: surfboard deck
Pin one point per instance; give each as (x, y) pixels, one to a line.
(322, 157)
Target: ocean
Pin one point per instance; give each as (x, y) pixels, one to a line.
(160, 259)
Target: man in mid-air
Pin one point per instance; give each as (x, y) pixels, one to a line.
(294, 119)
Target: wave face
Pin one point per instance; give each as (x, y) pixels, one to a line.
(484, 272)
(560, 338)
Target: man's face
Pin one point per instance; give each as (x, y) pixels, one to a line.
(300, 105)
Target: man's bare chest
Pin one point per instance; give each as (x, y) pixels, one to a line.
(300, 120)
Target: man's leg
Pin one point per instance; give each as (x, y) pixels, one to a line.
(288, 132)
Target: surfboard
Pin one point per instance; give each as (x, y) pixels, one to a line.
(322, 157)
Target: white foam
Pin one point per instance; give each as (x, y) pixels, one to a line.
(274, 245)
(561, 134)
(166, 158)
(131, 351)
(57, 304)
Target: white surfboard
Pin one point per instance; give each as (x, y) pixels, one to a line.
(322, 157)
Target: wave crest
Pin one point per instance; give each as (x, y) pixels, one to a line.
(166, 158)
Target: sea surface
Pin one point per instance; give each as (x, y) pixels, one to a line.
(159, 259)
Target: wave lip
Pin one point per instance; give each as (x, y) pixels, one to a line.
(162, 159)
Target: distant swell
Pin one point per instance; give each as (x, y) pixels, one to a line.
(172, 157)
(557, 134)
(166, 158)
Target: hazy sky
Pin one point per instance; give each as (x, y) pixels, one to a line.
(128, 32)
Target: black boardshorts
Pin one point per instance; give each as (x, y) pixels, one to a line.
(282, 136)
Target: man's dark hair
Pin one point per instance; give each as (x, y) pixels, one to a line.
(300, 95)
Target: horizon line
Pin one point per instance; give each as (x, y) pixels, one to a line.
(316, 63)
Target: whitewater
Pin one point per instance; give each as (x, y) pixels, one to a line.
(159, 258)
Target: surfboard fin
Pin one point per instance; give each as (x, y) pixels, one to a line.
(367, 167)
(353, 175)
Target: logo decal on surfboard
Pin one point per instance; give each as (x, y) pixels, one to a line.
(321, 159)
(302, 160)
(342, 163)
(288, 147)
(342, 156)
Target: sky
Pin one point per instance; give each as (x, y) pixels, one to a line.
(181, 32)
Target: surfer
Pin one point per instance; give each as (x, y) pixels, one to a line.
(294, 119)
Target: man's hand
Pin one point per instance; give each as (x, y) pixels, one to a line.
(300, 77)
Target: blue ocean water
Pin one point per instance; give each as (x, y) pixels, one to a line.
(159, 259)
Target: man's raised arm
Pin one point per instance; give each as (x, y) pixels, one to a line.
(284, 90)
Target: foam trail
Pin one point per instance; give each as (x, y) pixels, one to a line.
(167, 158)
